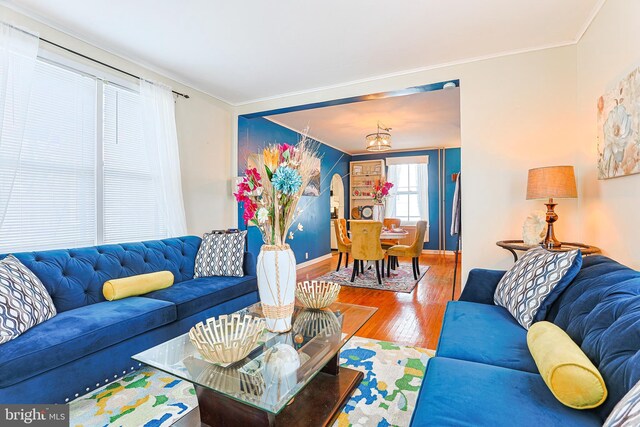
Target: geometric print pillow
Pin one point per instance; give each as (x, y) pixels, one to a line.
(24, 301)
(627, 412)
(221, 254)
(531, 281)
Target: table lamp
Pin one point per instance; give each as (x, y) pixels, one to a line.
(548, 183)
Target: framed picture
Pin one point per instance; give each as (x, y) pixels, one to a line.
(618, 129)
(313, 189)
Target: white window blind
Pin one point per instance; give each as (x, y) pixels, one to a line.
(53, 201)
(130, 207)
(406, 195)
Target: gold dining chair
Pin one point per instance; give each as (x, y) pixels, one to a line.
(412, 251)
(344, 243)
(390, 223)
(365, 246)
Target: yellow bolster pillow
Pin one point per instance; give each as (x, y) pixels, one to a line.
(566, 370)
(115, 289)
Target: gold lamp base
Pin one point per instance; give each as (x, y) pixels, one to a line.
(550, 240)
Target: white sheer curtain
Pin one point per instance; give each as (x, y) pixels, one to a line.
(161, 138)
(18, 54)
(423, 190)
(392, 177)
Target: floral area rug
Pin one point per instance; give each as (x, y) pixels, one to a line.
(148, 397)
(401, 279)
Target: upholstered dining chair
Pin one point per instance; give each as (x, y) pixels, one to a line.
(390, 223)
(365, 246)
(412, 251)
(344, 243)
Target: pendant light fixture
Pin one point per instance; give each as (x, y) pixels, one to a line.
(379, 141)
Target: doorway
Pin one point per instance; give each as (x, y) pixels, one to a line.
(336, 204)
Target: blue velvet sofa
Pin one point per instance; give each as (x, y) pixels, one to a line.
(90, 341)
(484, 375)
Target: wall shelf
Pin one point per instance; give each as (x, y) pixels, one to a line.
(370, 171)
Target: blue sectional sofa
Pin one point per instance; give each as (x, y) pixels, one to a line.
(90, 341)
(484, 375)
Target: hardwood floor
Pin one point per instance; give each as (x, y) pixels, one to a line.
(411, 319)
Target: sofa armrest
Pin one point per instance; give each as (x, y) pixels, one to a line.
(249, 264)
(481, 285)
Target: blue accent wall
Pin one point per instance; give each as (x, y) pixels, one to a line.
(451, 166)
(253, 135)
(434, 159)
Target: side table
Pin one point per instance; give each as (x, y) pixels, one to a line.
(518, 245)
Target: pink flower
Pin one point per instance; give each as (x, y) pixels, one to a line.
(242, 193)
(253, 176)
(250, 209)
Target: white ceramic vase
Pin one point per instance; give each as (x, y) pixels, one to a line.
(378, 212)
(276, 272)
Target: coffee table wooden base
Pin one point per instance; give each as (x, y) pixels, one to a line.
(318, 404)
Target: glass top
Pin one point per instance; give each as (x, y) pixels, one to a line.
(280, 365)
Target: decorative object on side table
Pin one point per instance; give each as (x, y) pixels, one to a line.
(317, 294)
(228, 338)
(548, 183)
(380, 193)
(534, 228)
(270, 192)
(618, 129)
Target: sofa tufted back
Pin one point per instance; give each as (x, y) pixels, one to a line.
(600, 311)
(74, 277)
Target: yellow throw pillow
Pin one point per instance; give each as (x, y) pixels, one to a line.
(566, 370)
(115, 289)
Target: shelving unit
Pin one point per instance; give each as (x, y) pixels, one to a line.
(364, 174)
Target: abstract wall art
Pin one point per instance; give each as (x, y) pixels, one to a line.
(619, 129)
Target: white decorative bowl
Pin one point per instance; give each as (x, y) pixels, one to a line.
(316, 294)
(228, 338)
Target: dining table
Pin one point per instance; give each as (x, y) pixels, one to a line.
(388, 234)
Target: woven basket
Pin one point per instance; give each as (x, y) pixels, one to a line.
(316, 294)
(228, 338)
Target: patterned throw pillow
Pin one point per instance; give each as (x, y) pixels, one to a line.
(221, 254)
(24, 301)
(530, 285)
(627, 412)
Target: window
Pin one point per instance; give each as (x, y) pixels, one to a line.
(128, 179)
(406, 195)
(409, 199)
(53, 198)
(77, 186)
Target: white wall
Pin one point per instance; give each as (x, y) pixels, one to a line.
(607, 52)
(517, 112)
(204, 132)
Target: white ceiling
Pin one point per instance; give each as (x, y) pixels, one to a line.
(240, 51)
(429, 119)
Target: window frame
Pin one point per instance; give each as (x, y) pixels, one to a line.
(101, 79)
(409, 220)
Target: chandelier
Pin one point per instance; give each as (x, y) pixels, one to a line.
(379, 141)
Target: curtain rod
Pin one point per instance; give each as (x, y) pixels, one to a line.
(103, 64)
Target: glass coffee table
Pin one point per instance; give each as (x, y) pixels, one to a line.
(289, 379)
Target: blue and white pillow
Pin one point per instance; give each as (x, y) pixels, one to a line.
(627, 412)
(24, 301)
(535, 281)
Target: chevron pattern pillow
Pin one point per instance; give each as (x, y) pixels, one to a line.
(24, 301)
(221, 254)
(529, 285)
(627, 412)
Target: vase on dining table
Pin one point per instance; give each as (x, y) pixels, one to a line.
(378, 212)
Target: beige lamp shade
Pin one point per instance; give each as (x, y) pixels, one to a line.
(552, 182)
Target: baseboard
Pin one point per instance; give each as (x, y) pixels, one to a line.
(313, 261)
(437, 252)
